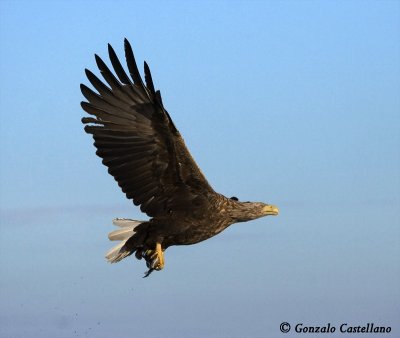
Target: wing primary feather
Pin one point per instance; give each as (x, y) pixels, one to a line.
(106, 115)
(130, 60)
(123, 77)
(90, 120)
(106, 92)
(116, 86)
(147, 77)
(107, 74)
(158, 96)
(101, 88)
(105, 102)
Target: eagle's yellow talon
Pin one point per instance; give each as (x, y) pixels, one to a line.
(154, 258)
(159, 257)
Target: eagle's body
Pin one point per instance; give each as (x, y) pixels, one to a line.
(144, 151)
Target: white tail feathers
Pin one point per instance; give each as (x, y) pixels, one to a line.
(126, 222)
(119, 252)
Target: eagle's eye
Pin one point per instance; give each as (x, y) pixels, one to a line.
(234, 198)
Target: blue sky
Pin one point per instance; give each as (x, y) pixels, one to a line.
(294, 103)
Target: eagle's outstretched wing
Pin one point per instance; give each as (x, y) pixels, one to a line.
(138, 142)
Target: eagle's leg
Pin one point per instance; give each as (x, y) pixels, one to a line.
(158, 258)
(154, 259)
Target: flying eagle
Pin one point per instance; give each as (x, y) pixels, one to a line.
(145, 153)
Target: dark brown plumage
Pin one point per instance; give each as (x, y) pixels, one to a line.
(146, 155)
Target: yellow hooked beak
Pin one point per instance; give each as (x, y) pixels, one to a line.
(271, 210)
